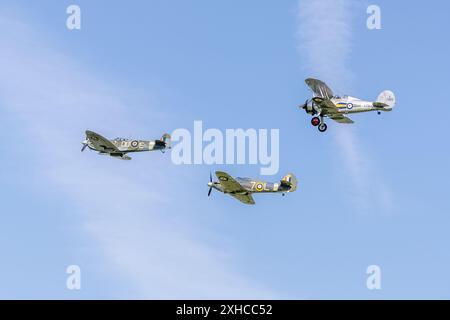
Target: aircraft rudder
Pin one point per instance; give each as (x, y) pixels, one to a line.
(291, 180)
(167, 139)
(387, 97)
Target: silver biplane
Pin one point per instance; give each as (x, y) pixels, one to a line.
(243, 188)
(325, 104)
(119, 147)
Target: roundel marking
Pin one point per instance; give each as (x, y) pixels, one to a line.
(259, 186)
(349, 105)
(134, 143)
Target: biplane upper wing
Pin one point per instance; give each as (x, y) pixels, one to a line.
(101, 143)
(234, 188)
(319, 88)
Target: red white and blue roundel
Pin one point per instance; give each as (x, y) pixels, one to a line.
(134, 143)
(349, 105)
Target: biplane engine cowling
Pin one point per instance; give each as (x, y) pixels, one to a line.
(309, 107)
(312, 108)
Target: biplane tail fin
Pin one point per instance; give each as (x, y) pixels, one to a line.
(386, 99)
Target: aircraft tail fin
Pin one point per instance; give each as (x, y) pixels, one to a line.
(290, 180)
(166, 138)
(386, 99)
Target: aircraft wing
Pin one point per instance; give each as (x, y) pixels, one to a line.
(319, 88)
(228, 183)
(245, 198)
(341, 118)
(329, 109)
(100, 143)
(234, 188)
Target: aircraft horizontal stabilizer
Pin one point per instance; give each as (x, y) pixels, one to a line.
(380, 104)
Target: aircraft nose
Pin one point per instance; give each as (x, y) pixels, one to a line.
(210, 184)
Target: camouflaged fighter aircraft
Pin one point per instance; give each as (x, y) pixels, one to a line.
(119, 147)
(243, 188)
(325, 104)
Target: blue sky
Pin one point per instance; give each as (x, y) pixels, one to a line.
(371, 193)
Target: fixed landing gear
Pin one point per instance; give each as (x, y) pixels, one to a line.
(318, 122)
(315, 121)
(322, 127)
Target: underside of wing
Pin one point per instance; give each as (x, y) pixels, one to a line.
(319, 88)
(100, 143)
(244, 198)
(118, 155)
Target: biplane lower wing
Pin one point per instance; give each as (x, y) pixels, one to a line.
(330, 110)
(340, 118)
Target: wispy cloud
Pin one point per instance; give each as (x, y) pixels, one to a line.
(324, 34)
(325, 44)
(124, 206)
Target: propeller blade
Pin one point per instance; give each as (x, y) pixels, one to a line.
(303, 106)
(84, 147)
(210, 184)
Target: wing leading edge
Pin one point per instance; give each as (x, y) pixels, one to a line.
(319, 88)
(100, 143)
(234, 188)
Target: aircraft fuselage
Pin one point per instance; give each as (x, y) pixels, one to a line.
(127, 145)
(348, 105)
(254, 186)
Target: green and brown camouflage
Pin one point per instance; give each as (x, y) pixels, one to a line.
(243, 188)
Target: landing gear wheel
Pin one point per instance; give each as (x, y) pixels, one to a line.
(322, 127)
(315, 121)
